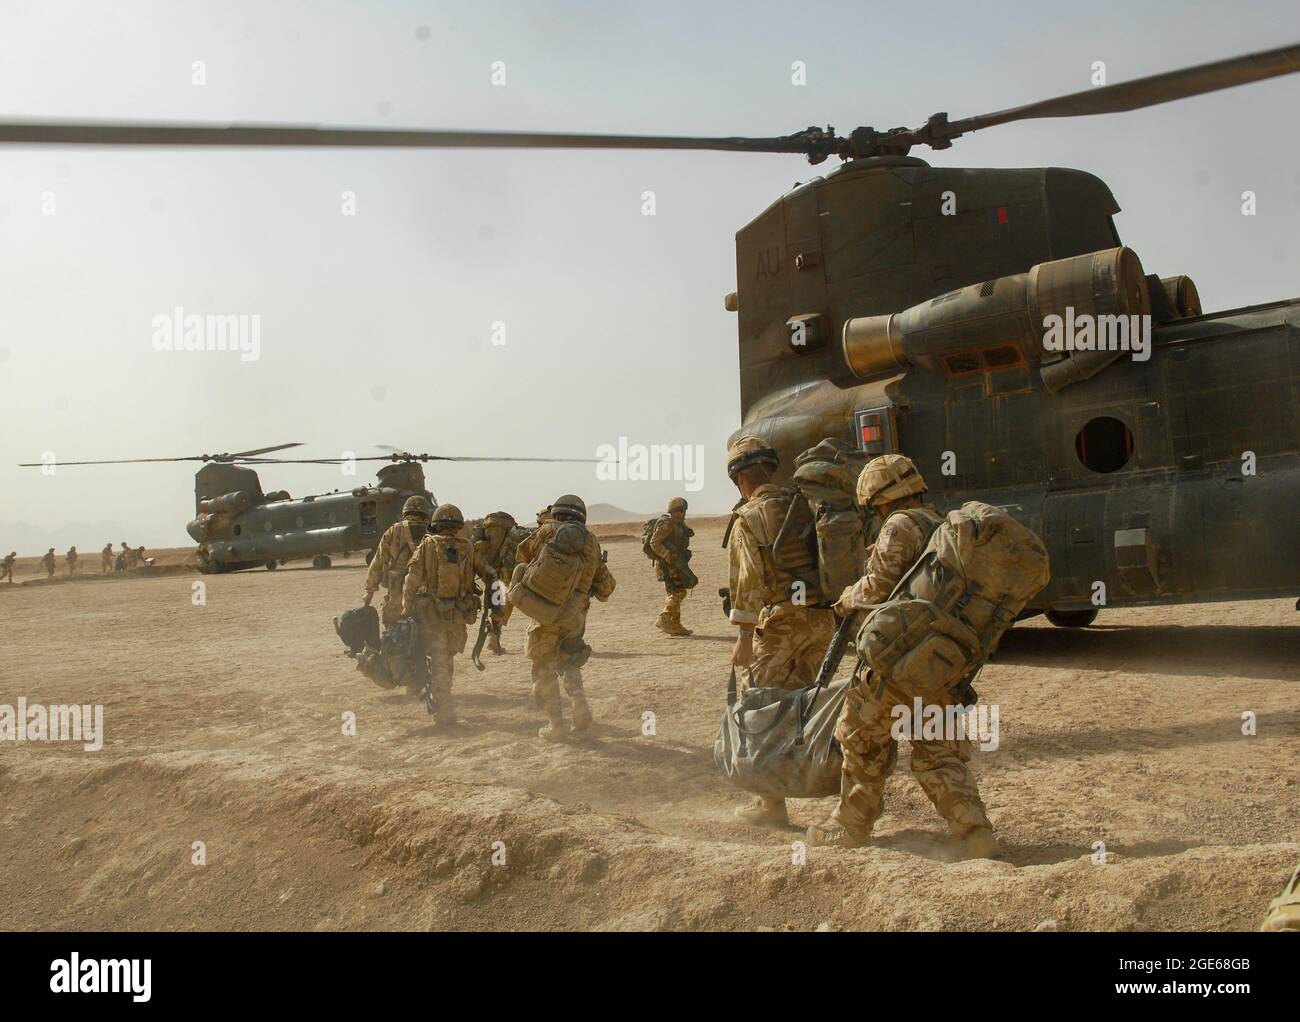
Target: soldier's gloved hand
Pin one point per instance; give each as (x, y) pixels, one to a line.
(367, 596)
(742, 655)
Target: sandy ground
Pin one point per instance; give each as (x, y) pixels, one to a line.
(224, 725)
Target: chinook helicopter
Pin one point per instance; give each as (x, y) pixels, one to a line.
(904, 307)
(238, 526)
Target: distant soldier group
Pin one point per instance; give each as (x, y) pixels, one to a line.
(429, 563)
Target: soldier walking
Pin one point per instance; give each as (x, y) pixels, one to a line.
(71, 558)
(7, 566)
(393, 555)
(106, 558)
(496, 540)
(438, 592)
(780, 640)
(47, 562)
(670, 542)
(892, 488)
(557, 649)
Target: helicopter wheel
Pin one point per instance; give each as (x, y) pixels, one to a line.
(271, 565)
(321, 561)
(1071, 618)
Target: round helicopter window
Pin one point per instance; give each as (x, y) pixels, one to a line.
(1104, 444)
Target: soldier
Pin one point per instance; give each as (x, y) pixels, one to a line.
(558, 648)
(120, 564)
(892, 488)
(7, 566)
(670, 542)
(439, 593)
(130, 558)
(544, 515)
(106, 558)
(47, 562)
(393, 556)
(71, 558)
(780, 641)
(496, 540)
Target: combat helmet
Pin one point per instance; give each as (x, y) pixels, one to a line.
(749, 450)
(888, 478)
(569, 505)
(447, 515)
(677, 504)
(416, 507)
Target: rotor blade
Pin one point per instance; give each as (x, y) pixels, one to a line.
(140, 133)
(262, 450)
(120, 461)
(445, 457)
(1144, 92)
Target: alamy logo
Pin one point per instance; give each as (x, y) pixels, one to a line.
(640, 462)
(54, 723)
(212, 332)
(132, 976)
(935, 723)
(1098, 333)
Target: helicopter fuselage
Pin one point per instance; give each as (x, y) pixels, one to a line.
(1169, 478)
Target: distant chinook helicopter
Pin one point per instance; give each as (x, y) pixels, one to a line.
(238, 526)
(903, 307)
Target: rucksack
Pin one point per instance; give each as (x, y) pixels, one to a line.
(358, 628)
(647, 531)
(950, 608)
(549, 580)
(822, 539)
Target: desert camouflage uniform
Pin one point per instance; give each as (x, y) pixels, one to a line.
(438, 592)
(389, 566)
(47, 562)
(71, 558)
(496, 540)
(790, 639)
(543, 643)
(670, 541)
(131, 558)
(7, 567)
(864, 727)
(106, 558)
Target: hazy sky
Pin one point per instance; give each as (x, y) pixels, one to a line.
(376, 327)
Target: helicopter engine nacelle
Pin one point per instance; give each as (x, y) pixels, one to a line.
(227, 503)
(1001, 322)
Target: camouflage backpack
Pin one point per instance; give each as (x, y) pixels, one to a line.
(948, 611)
(822, 538)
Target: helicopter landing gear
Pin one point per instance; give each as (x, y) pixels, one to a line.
(271, 565)
(321, 561)
(1071, 618)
